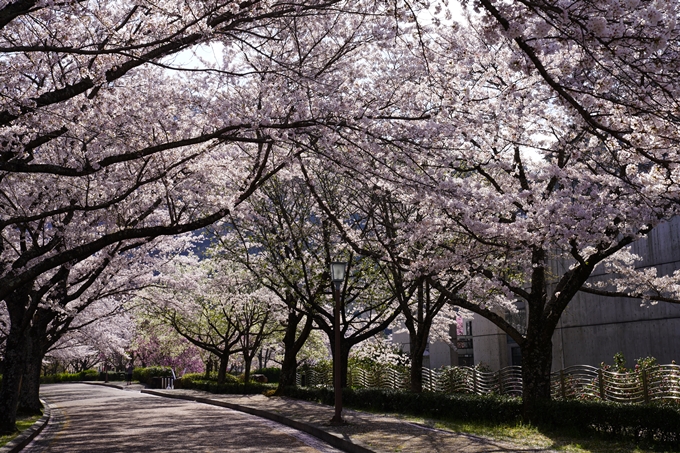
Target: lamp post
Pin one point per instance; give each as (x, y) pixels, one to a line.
(337, 277)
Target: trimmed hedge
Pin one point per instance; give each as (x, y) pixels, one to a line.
(232, 384)
(656, 423)
(229, 387)
(273, 374)
(144, 375)
(192, 377)
(492, 409)
(87, 375)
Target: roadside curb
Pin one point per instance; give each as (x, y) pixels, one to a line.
(27, 435)
(102, 384)
(327, 437)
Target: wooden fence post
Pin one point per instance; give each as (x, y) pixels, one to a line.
(474, 381)
(645, 385)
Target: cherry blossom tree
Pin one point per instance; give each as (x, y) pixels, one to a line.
(613, 64)
(217, 306)
(196, 311)
(283, 237)
(391, 237)
(575, 182)
(516, 178)
(259, 319)
(629, 281)
(87, 294)
(541, 131)
(273, 229)
(157, 344)
(103, 144)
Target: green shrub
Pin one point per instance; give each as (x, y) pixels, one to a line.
(144, 375)
(229, 387)
(112, 376)
(272, 374)
(212, 377)
(190, 377)
(87, 375)
(491, 408)
(657, 423)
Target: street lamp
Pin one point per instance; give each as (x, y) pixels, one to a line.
(337, 277)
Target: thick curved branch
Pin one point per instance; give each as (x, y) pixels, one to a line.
(494, 317)
(600, 292)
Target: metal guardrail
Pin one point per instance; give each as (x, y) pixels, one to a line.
(660, 382)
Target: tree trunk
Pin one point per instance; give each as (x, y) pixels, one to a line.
(29, 396)
(417, 349)
(16, 350)
(292, 346)
(536, 366)
(15, 362)
(248, 361)
(345, 347)
(222, 372)
(288, 371)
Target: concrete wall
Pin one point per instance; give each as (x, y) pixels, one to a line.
(489, 344)
(439, 354)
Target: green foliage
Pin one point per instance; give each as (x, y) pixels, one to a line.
(483, 367)
(87, 375)
(112, 376)
(491, 408)
(643, 363)
(273, 374)
(144, 375)
(646, 363)
(189, 378)
(656, 424)
(230, 387)
(322, 366)
(620, 362)
(232, 384)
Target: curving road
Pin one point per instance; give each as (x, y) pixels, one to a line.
(91, 418)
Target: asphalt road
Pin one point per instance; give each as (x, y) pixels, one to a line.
(90, 418)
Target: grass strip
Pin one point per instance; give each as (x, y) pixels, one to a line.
(23, 423)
